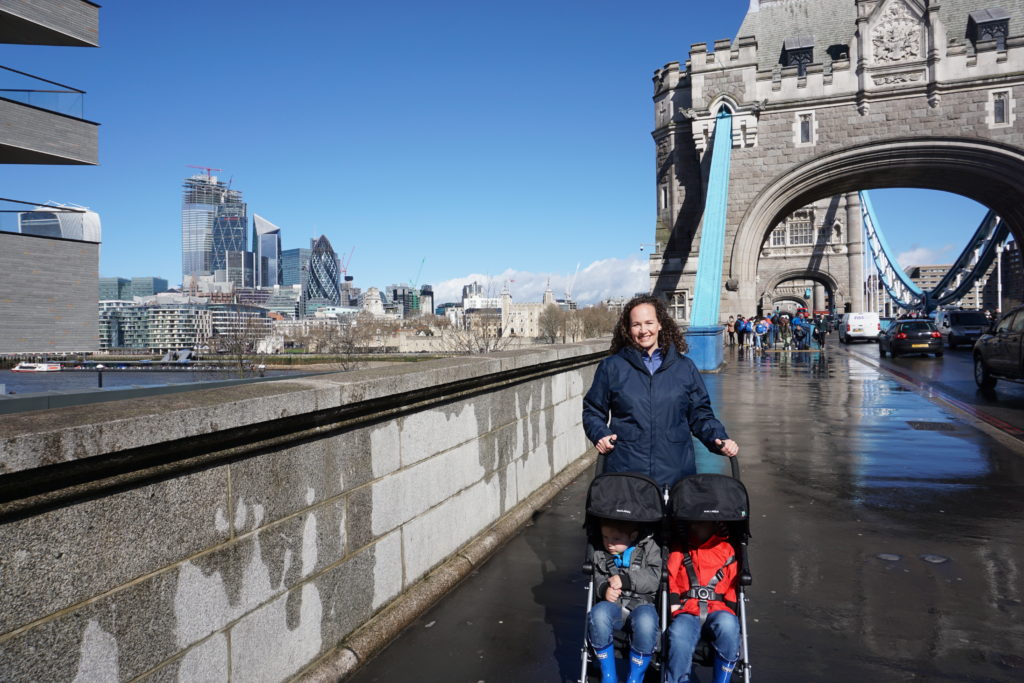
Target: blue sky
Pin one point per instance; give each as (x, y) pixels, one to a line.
(499, 140)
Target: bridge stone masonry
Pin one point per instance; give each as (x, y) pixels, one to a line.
(272, 530)
(830, 97)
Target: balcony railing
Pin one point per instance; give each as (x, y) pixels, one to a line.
(26, 88)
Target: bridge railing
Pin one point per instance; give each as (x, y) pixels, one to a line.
(252, 529)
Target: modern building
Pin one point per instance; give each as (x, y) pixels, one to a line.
(213, 221)
(148, 286)
(286, 300)
(323, 282)
(49, 265)
(294, 266)
(427, 299)
(239, 268)
(69, 221)
(162, 327)
(115, 289)
(266, 244)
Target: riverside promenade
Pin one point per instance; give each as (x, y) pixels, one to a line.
(888, 542)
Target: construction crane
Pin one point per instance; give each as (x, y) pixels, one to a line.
(345, 262)
(419, 272)
(572, 284)
(208, 169)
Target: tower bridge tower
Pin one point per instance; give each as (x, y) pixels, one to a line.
(829, 97)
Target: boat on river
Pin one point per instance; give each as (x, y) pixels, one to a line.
(36, 367)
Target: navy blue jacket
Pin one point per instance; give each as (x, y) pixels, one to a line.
(652, 415)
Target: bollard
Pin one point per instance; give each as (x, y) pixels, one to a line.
(99, 375)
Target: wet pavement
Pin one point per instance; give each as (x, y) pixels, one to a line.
(888, 543)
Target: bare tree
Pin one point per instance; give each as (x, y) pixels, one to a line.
(480, 332)
(551, 323)
(598, 321)
(236, 334)
(572, 327)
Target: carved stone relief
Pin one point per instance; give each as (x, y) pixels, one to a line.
(897, 37)
(895, 79)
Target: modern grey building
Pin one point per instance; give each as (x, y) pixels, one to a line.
(294, 266)
(61, 220)
(213, 221)
(266, 244)
(115, 289)
(148, 286)
(48, 283)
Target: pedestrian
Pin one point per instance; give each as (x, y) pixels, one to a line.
(647, 399)
(760, 330)
(627, 572)
(702, 579)
(785, 333)
(730, 328)
(740, 331)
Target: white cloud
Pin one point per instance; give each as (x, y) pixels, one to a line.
(924, 256)
(600, 280)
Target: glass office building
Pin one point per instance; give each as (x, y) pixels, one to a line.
(115, 289)
(323, 285)
(266, 243)
(294, 266)
(213, 221)
(148, 286)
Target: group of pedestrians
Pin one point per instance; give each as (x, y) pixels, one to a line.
(778, 329)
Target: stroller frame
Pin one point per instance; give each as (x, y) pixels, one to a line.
(743, 665)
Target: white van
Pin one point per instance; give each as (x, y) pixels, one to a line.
(859, 326)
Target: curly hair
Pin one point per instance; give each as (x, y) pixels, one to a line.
(670, 332)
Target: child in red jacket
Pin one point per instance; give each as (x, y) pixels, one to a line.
(702, 583)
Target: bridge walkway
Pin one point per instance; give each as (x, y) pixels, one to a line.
(888, 544)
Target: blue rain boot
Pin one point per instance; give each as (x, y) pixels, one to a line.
(606, 658)
(637, 666)
(722, 670)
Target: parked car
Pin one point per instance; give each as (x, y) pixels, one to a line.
(910, 336)
(997, 353)
(961, 327)
(859, 326)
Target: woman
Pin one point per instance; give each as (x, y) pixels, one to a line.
(655, 398)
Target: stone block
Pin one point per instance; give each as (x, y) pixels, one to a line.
(61, 557)
(403, 495)
(206, 661)
(280, 638)
(436, 534)
(284, 482)
(533, 471)
(427, 433)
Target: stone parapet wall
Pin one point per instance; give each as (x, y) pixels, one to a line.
(243, 533)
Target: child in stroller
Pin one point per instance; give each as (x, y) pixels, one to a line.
(623, 513)
(707, 569)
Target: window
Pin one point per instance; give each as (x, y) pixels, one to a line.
(678, 306)
(664, 197)
(999, 107)
(779, 237)
(805, 128)
(801, 232)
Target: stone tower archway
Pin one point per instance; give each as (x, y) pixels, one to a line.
(831, 97)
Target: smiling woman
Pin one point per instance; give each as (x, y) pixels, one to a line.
(648, 398)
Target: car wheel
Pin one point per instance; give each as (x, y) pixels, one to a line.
(952, 344)
(938, 354)
(881, 351)
(982, 377)
(892, 352)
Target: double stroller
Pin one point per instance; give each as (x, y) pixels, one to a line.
(634, 498)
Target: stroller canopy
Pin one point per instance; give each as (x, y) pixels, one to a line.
(713, 497)
(625, 496)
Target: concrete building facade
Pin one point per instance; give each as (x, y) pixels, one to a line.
(890, 93)
(48, 283)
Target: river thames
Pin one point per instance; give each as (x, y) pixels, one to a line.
(69, 380)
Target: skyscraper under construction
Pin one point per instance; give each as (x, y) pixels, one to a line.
(213, 221)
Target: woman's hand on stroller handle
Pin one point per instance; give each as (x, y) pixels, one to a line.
(606, 444)
(728, 447)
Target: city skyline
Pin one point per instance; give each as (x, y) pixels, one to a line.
(478, 184)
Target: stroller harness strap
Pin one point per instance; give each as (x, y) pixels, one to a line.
(705, 594)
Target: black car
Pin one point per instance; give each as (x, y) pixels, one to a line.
(910, 336)
(997, 353)
(961, 327)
